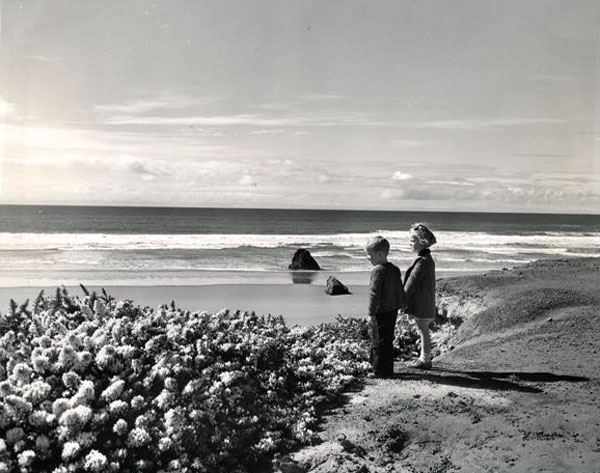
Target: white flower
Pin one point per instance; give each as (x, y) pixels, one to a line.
(84, 358)
(20, 405)
(85, 394)
(138, 402)
(44, 341)
(40, 362)
(4, 468)
(145, 420)
(86, 439)
(26, 458)
(37, 391)
(171, 383)
(120, 427)
(38, 418)
(117, 407)
(164, 444)
(22, 373)
(113, 391)
(138, 437)
(126, 351)
(227, 377)
(105, 358)
(99, 419)
(19, 446)
(6, 388)
(266, 444)
(59, 406)
(42, 443)
(71, 380)
(2, 446)
(70, 450)
(67, 357)
(173, 420)
(95, 461)
(164, 399)
(76, 418)
(100, 308)
(143, 465)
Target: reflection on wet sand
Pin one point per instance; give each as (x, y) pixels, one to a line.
(303, 277)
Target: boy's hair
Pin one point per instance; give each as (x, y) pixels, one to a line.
(378, 243)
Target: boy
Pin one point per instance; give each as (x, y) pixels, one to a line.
(386, 296)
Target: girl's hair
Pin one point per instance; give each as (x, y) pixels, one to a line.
(423, 234)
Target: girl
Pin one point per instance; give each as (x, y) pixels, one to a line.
(419, 287)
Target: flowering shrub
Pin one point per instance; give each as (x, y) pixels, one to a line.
(406, 339)
(98, 385)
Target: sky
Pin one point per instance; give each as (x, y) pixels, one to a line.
(449, 105)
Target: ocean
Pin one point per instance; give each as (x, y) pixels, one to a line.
(49, 245)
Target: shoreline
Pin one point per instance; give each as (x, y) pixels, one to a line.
(156, 278)
(303, 304)
(299, 303)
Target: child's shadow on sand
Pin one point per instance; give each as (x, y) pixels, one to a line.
(499, 381)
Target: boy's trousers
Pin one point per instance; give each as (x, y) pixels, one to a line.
(382, 342)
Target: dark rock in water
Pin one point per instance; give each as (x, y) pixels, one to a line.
(303, 260)
(335, 287)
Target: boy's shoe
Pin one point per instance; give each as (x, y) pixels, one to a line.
(420, 365)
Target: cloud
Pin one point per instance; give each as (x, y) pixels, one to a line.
(6, 108)
(406, 143)
(402, 176)
(322, 97)
(267, 132)
(98, 164)
(150, 167)
(485, 123)
(215, 120)
(553, 78)
(155, 102)
(501, 193)
(387, 194)
(247, 180)
(543, 155)
(327, 118)
(47, 59)
(28, 141)
(455, 182)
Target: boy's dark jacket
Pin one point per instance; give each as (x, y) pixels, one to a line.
(386, 292)
(419, 286)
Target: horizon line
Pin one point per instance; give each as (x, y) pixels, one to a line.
(293, 209)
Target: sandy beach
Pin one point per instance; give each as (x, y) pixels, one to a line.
(518, 393)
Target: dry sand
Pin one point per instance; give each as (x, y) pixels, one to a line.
(520, 392)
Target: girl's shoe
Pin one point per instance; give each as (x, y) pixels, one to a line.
(420, 365)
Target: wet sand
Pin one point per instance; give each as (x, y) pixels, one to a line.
(303, 304)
